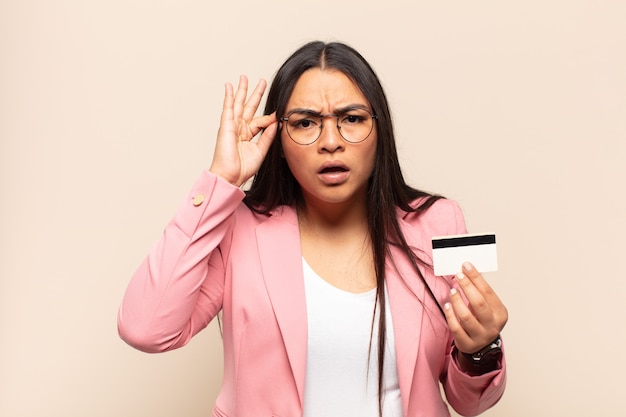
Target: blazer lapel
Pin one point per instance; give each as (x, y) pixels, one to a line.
(280, 253)
(406, 314)
(407, 296)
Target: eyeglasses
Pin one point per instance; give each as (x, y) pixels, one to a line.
(304, 127)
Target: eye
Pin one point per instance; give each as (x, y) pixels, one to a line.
(301, 122)
(352, 119)
(304, 123)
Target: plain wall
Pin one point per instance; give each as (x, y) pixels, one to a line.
(109, 110)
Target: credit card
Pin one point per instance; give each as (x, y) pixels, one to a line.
(449, 253)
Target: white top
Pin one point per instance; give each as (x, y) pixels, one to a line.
(339, 380)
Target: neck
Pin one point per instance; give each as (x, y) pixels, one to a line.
(333, 218)
(336, 243)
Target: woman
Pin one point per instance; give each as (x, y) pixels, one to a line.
(322, 268)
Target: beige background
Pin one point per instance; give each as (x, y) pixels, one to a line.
(108, 111)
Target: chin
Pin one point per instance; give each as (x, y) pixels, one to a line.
(335, 195)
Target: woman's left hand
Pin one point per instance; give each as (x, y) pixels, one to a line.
(476, 324)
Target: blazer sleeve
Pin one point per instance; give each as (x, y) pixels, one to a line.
(179, 287)
(472, 395)
(469, 395)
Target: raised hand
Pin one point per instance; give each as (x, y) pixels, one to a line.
(476, 324)
(237, 157)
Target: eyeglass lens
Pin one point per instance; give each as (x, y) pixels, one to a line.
(305, 127)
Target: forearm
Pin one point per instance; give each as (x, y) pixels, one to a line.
(176, 290)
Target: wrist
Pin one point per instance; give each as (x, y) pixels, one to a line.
(482, 361)
(223, 177)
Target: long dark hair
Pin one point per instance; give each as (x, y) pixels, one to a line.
(274, 185)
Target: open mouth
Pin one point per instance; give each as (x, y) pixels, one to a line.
(329, 170)
(332, 167)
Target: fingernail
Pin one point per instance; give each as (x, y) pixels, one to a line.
(453, 291)
(460, 276)
(467, 266)
(447, 306)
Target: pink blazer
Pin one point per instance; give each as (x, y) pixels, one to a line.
(216, 255)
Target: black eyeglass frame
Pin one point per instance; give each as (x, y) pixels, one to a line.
(321, 117)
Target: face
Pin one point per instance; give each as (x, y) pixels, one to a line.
(330, 170)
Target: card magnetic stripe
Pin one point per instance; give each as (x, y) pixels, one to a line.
(463, 241)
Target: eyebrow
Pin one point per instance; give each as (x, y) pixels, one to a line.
(339, 110)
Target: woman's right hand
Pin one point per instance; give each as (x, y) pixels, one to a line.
(237, 158)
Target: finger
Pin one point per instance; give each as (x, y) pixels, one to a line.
(469, 336)
(240, 96)
(486, 291)
(268, 136)
(476, 277)
(453, 322)
(227, 108)
(464, 316)
(476, 301)
(253, 102)
(462, 339)
(261, 122)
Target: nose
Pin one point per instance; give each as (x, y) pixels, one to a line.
(330, 139)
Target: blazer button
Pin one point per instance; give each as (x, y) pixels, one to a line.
(198, 199)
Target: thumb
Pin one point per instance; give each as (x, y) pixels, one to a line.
(267, 137)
